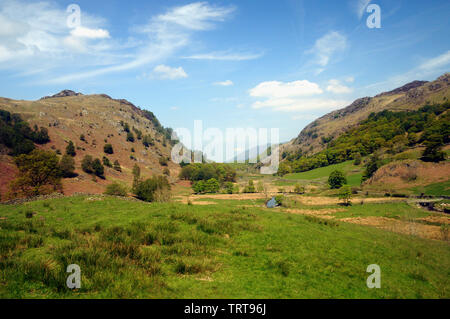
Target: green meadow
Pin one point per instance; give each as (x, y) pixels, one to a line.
(132, 249)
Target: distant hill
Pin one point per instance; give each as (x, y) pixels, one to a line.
(314, 137)
(67, 115)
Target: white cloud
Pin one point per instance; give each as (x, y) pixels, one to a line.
(296, 96)
(168, 73)
(325, 47)
(224, 83)
(336, 87)
(83, 32)
(302, 104)
(225, 56)
(276, 89)
(174, 108)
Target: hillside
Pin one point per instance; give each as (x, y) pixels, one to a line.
(69, 115)
(411, 96)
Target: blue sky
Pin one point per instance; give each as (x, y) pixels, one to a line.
(229, 63)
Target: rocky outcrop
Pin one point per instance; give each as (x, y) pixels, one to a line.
(63, 93)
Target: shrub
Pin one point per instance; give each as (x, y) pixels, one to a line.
(153, 189)
(198, 187)
(82, 138)
(228, 186)
(250, 188)
(108, 149)
(371, 167)
(298, 189)
(130, 137)
(336, 179)
(116, 166)
(116, 189)
(70, 149)
(67, 166)
(106, 161)
(166, 171)
(163, 161)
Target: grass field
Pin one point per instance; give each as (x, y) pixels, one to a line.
(131, 249)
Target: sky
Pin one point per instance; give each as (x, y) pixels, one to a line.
(232, 64)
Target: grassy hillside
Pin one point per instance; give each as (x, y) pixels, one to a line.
(138, 250)
(90, 122)
(333, 124)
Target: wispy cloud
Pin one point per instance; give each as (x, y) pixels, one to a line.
(325, 47)
(224, 83)
(31, 33)
(360, 6)
(225, 56)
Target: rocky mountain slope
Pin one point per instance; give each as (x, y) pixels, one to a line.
(313, 138)
(69, 115)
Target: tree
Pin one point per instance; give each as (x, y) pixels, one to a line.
(70, 149)
(371, 167)
(86, 164)
(357, 159)
(336, 179)
(432, 152)
(198, 187)
(212, 186)
(284, 168)
(116, 166)
(346, 194)
(39, 173)
(98, 168)
(136, 176)
(108, 149)
(67, 166)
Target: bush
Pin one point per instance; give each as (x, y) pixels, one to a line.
(153, 189)
(116, 189)
(163, 161)
(250, 188)
(116, 166)
(229, 187)
(106, 161)
(108, 149)
(67, 166)
(166, 171)
(70, 149)
(130, 137)
(336, 179)
(298, 189)
(212, 186)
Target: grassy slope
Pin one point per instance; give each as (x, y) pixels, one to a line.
(133, 249)
(353, 173)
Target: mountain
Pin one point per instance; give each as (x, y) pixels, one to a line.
(314, 137)
(101, 119)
